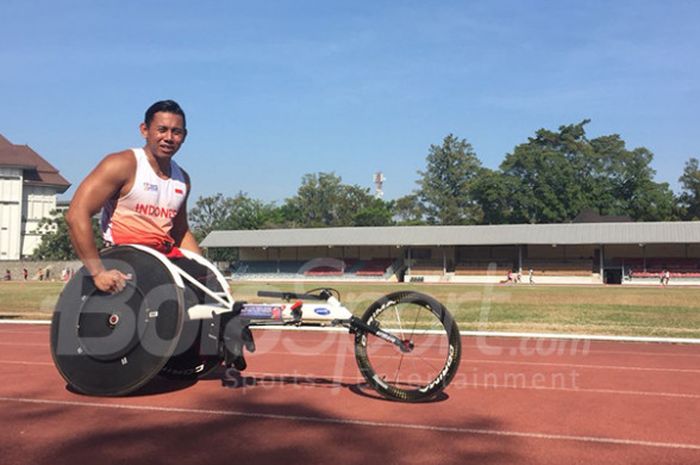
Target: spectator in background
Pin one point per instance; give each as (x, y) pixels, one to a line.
(530, 274)
(25, 272)
(509, 278)
(8, 275)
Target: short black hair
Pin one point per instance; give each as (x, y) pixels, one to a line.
(167, 106)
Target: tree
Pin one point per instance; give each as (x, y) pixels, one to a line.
(689, 199)
(233, 213)
(375, 213)
(494, 192)
(408, 210)
(208, 214)
(549, 176)
(316, 201)
(323, 200)
(631, 189)
(229, 213)
(556, 175)
(446, 185)
(55, 239)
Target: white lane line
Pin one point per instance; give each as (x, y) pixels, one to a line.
(315, 354)
(574, 365)
(276, 377)
(367, 423)
(22, 362)
(20, 331)
(503, 334)
(25, 322)
(497, 362)
(267, 377)
(588, 337)
(641, 354)
(495, 387)
(38, 344)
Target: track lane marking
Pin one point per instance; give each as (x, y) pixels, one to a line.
(575, 365)
(453, 385)
(22, 344)
(456, 385)
(366, 423)
(23, 362)
(272, 377)
(678, 395)
(499, 362)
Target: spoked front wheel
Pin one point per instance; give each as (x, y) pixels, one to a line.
(427, 357)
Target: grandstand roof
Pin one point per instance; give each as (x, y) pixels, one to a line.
(570, 233)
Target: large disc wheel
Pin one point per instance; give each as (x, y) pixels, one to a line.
(430, 353)
(113, 344)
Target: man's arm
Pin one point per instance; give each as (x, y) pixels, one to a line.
(181, 228)
(106, 181)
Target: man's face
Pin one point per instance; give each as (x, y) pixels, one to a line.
(165, 134)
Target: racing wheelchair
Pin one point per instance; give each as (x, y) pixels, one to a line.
(182, 322)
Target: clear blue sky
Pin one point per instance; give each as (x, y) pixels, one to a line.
(277, 89)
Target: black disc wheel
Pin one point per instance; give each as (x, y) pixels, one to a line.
(430, 349)
(113, 344)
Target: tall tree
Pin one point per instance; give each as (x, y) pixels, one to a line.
(316, 201)
(208, 213)
(232, 213)
(689, 199)
(323, 200)
(647, 200)
(446, 185)
(408, 210)
(557, 174)
(375, 212)
(549, 176)
(494, 192)
(238, 212)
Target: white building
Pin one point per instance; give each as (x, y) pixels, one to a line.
(28, 189)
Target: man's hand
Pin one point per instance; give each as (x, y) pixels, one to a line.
(111, 281)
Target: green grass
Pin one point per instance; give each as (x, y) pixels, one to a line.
(633, 311)
(28, 300)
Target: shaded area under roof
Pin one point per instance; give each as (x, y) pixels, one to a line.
(564, 234)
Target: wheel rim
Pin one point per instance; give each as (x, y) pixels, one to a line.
(425, 365)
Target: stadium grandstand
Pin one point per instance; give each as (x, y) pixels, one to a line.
(571, 253)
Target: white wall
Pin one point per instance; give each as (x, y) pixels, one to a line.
(22, 207)
(10, 213)
(39, 202)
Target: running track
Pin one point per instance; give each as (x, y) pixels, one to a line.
(513, 401)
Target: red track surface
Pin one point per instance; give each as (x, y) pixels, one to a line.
(513, 401)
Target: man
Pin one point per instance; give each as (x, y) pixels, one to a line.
(142, 194)
(143, 197)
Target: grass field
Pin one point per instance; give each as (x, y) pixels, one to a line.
(609, 310)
